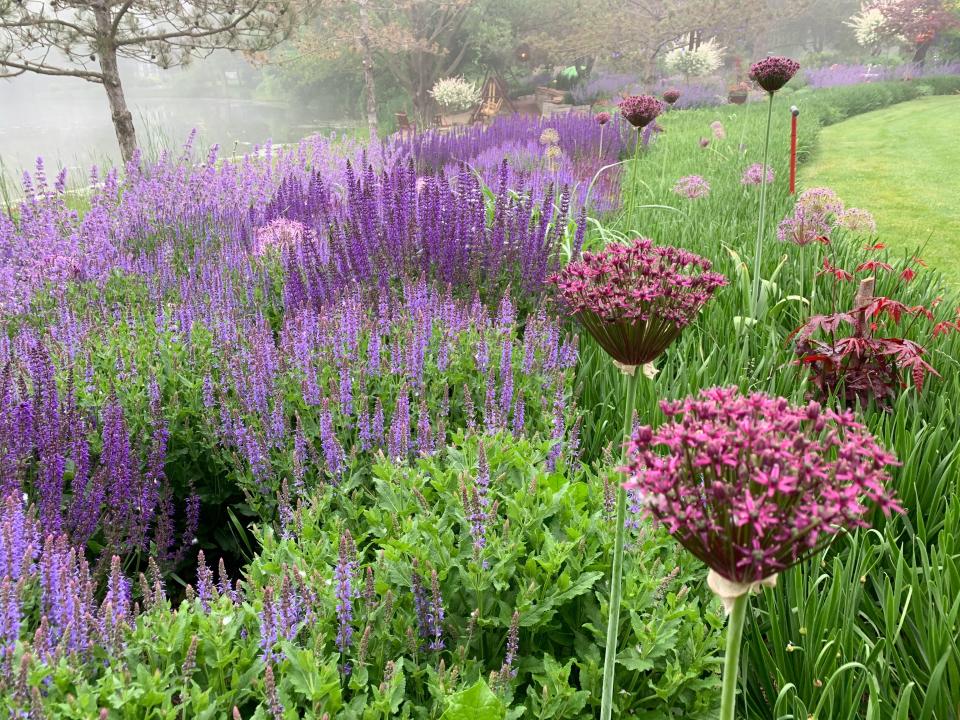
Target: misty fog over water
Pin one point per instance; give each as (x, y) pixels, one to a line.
(67, 122)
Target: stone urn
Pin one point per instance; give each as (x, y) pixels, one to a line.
(458, 118)
(737, 97)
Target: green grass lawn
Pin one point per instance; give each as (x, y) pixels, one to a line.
(903, 164)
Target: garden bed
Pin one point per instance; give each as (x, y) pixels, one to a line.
(351, 386)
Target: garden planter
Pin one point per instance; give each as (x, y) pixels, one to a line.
(460, 118)
(737, 97)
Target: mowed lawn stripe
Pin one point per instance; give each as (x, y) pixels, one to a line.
(901, 163)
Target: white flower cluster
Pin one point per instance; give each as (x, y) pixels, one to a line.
(704, 60)
(455, 94)
(868, 26)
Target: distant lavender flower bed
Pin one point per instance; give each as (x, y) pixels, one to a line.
(604, 86)
(706, 92)
(839, 75)
(338, 189)
(584, 148)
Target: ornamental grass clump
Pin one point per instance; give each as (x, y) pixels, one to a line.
(753, 485)
(634, 300)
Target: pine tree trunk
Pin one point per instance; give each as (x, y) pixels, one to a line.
(368, 83)
(120, 113)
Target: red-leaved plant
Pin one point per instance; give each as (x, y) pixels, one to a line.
(865, 353)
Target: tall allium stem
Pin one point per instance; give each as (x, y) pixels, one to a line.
(634, 171)
(731, 659)
(758, 249)
(616, 573)
(600, 150)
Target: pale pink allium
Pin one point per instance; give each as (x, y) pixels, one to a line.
(754, 175)
(279, 234)
(821, 200)
(804, 226)
(692, 187)
(751, 484)
(719, 132)
(636, 299)
(858, 221)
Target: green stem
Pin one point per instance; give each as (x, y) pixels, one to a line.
(731, 660)
(616, 574)
(758, 249)
(633, 179)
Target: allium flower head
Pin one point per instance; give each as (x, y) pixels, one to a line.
(719, 132)
(857, 220)
(754, 175)
(640, 110)
(279, 234)
(602, 118)
(804, 226)
(752, 485)
(549, 136)
(821, 200)
(692, 187)
(773, 73)
(636, 299)
(671, 95)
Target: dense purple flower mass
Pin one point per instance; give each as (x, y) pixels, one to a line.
(752, 485)
(636, 299)
(773, 73)
(640, 110)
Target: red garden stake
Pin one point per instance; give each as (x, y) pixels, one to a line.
(794, 112)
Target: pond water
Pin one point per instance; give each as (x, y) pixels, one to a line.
(73, 129)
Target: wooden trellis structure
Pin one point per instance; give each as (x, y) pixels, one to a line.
(493, 99)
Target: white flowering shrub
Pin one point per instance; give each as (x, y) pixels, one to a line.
(868, 26)
(705, 60)
(455, 94)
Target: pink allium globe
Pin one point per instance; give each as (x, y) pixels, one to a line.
(804, 226)
(773, 73)
(636, 299)
(821, 200)
(692, 187)
(640, 110)
(754, 175)
(602, 118)
(671, 95)
(280, 234)
(751, 484)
